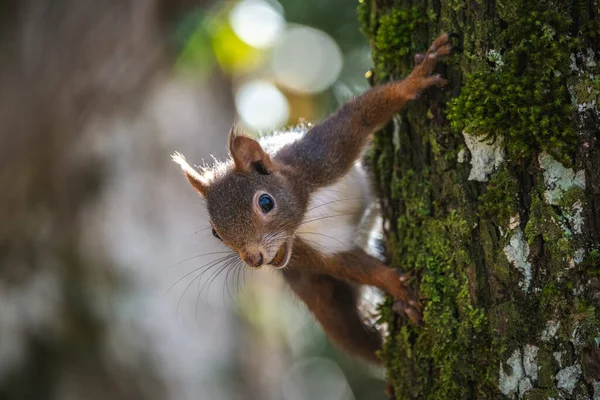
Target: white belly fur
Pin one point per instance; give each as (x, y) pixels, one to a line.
(334, 213)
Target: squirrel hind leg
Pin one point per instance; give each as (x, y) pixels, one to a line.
(334, 303)
(358, 266)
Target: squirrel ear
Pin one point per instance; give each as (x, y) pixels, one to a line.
(196, 179)
(248, 155)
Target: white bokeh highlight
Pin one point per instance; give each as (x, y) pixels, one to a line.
(256, 22)
(261, 105)
(306, 60)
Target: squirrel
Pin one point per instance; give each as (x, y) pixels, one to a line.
(269, 203)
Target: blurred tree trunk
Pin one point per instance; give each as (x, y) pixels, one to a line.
(64, 64)
(491, 192)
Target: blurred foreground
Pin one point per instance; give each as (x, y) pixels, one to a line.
(96, 224)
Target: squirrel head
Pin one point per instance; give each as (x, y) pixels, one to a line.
(253, 206)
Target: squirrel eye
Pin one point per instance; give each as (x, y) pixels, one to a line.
(215, 234)
(266, 203)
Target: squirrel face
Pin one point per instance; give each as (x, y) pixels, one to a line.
(256, 215)
(251, 203)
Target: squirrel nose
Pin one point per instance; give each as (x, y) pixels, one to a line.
(254, 259)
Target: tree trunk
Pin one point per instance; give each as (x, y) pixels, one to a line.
(491, 194)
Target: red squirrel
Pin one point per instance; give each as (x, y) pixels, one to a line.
(270, 204)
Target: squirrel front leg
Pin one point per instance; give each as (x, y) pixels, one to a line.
(334, 304)
(328, 151)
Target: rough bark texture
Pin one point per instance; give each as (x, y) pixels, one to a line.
(491, 193)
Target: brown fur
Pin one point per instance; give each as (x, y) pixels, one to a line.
(325, 282)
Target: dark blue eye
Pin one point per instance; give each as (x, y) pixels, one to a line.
(266, 203)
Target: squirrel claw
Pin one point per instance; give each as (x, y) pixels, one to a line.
(424, 64)
(389, 391)
(398, 307)
(436, 80)
(405, 303)
(419, 57)
(410, 311)
(404, 277)
(442, 41)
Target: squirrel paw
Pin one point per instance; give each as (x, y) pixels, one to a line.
(439, 49)
(435, 80)
(404, 276)
(389, 391)
(441, 45)
(411, 311)
(408, 305)
(420, 78)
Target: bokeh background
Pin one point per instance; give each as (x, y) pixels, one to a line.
(103, 290)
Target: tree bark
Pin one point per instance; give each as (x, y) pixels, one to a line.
(490, 190)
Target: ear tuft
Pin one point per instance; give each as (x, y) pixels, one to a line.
(196, 179)
(248, 155)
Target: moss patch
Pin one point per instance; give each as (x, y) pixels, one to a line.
(442, 357)
(585, 89)
(513, 79)
(366, 17)
(525, 99)
(393, 38)
(499, 202)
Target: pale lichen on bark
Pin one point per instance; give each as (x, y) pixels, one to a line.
(517, 252)
(559, 179)
(486, 156)
(523, 372)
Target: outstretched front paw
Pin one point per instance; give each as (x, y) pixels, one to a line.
(420, 78)
(439, 49)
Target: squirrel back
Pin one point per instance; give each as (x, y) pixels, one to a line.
(334, 212)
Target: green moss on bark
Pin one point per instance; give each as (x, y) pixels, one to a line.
(499, 201)
(440, 259)
(522, 95)
(393, 38)
(516, 79)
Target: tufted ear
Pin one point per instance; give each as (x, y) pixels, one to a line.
(199, 182)
(248, 155)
